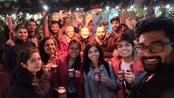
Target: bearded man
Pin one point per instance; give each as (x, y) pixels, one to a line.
(156, 52)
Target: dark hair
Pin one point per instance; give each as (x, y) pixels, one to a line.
(126, 37)
(23, 73)
(77, 62)
(74, 41)
(103, 23)
(130, 39)
(100, 26)
(25, 55)
(44, 56)
(31, 20)
(156, 24)
(51, 23)
(20, 26)
(116, 18)
(87, 62)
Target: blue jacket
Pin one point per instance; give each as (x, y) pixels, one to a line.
(106, 89)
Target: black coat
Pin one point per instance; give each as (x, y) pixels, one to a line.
(23, 86)
(160, 86)
(11, 54)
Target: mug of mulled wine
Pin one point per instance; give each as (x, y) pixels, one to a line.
(97, 76)
(71, 73)
(54, 68)
(120, 75)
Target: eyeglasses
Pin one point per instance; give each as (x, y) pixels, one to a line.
(154, 48)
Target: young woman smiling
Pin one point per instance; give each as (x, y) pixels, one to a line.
(100, 81)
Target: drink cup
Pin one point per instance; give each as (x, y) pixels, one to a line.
(62, 92)
(54, 68)
(120, 75)
(97, 76)
(71, 73)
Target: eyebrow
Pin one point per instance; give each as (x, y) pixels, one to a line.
(154, 42)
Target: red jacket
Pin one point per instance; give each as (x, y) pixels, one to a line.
(61, 77)
(137, 66)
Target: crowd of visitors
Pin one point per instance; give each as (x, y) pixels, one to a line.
(124, 63)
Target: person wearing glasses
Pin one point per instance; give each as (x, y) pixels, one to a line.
(156, 52)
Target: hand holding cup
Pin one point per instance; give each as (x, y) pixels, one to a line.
(77, 73)
(61, 91)
(103, 77)
(129, 77)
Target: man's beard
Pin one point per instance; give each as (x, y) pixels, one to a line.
(158, 67)
(152, 68)
(101, 38)
(30, 34)
(115, 29)
(54, 34)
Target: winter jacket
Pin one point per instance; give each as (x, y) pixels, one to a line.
(161, 85)
(61, 77)
(11, 53)
(106, 89)
(136, 66)
(23, 86)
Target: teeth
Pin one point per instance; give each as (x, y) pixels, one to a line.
(73, 53)
(125, 51)
(94, 57)
(151, 60)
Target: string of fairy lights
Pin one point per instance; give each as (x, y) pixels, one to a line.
(167, 10)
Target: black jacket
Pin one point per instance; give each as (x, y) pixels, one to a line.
(160, 86)
(11, 54)
(23, 86)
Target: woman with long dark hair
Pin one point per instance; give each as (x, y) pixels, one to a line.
(69, 73)
(100, 81)
(30, 81)
(48, 49)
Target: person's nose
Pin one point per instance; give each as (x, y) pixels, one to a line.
(148, 52)
(38, 62)
(124, 47)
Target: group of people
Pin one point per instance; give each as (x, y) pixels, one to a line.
(107, 65)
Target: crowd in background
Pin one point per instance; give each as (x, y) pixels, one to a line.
(89, 62)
